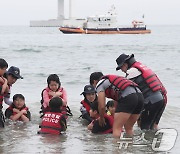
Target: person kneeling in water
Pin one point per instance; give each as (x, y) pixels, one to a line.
(18, 110)
(53, 122)
(94, 125)
(89, 94)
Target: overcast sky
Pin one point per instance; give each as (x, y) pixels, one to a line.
(156, 12)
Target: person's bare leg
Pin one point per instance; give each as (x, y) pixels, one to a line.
(155, 126)
(130, 123)
(119, 120)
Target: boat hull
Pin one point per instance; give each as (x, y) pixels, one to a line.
(68, 30)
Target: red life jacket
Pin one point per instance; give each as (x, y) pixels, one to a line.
(14, 113)
(151, 79)
(1, 96)
(51, 123)
(86, 105)
(118, 84)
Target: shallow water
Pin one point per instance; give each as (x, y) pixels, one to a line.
(39, 52)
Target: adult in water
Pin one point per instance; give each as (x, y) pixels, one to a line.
(154, 92)
(129, 102)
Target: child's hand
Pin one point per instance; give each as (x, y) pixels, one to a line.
(23, 111)
(16, 110)
(52, 93)
(58, 94)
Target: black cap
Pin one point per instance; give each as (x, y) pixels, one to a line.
(15, 72)
(122, 59)
(88, 89)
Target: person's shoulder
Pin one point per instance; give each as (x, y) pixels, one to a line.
(100, 82)
(45, 90)
(27, 108)
(62, 89)
(133, 72)
(8, 112)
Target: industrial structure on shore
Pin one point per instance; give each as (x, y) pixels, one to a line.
(60, 18)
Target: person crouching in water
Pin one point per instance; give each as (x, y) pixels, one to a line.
(94, 125)
(89, 94)
(130, 102)
(53, 122)
(110, 107)
(18, 110)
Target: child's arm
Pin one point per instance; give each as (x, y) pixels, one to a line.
(62, 94)
(4, 86)
(18, 115)
(24, 118)
(27, 117)
(46, 99)
(64, 97)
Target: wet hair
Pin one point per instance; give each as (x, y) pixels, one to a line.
(110, 104)
(55, 103)
(95, 76)
(3, 63)
(53, 77)
(16, 96)
(94, 106)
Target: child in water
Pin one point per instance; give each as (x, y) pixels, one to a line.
(89, 94)
(53, 122)
(54, 89)
(110, 108)
(18, 110)
(94, 125)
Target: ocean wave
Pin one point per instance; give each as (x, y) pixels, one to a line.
(28, 50)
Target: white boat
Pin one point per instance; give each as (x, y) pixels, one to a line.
(105, 24)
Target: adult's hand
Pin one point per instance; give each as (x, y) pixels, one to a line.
(102, 122)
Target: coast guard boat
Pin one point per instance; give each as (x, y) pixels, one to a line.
(105, 24)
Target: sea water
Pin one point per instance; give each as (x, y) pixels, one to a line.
(39, 52)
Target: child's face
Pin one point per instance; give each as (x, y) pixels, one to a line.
(54, 86)
(112, 109)
(19, 103)
(2, 71)
(91, 97)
